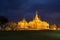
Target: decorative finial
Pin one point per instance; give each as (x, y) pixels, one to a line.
(36, 13)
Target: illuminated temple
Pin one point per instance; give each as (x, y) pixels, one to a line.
(35, 24)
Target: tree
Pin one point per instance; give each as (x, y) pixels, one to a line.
(3, 21)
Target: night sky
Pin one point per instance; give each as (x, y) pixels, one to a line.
(15, 10)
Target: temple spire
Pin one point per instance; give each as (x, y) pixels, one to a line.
(24, 19)
(36, 16)
(36, 13)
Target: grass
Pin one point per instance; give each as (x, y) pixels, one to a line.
(30, 35)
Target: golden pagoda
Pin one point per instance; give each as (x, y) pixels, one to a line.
(53, 27)
(37, 24)
(22, 24)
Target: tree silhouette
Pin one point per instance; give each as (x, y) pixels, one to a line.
(3, 20)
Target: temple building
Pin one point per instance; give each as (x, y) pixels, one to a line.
(53, 27)
(22, 24)
(38, 24)
(35, 24)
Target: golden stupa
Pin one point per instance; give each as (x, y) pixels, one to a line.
(22, 24)
(35, 24)
(53, 27)
(38, 24)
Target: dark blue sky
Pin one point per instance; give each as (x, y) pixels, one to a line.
(15, 10)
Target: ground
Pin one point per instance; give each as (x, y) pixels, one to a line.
(30, 35)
